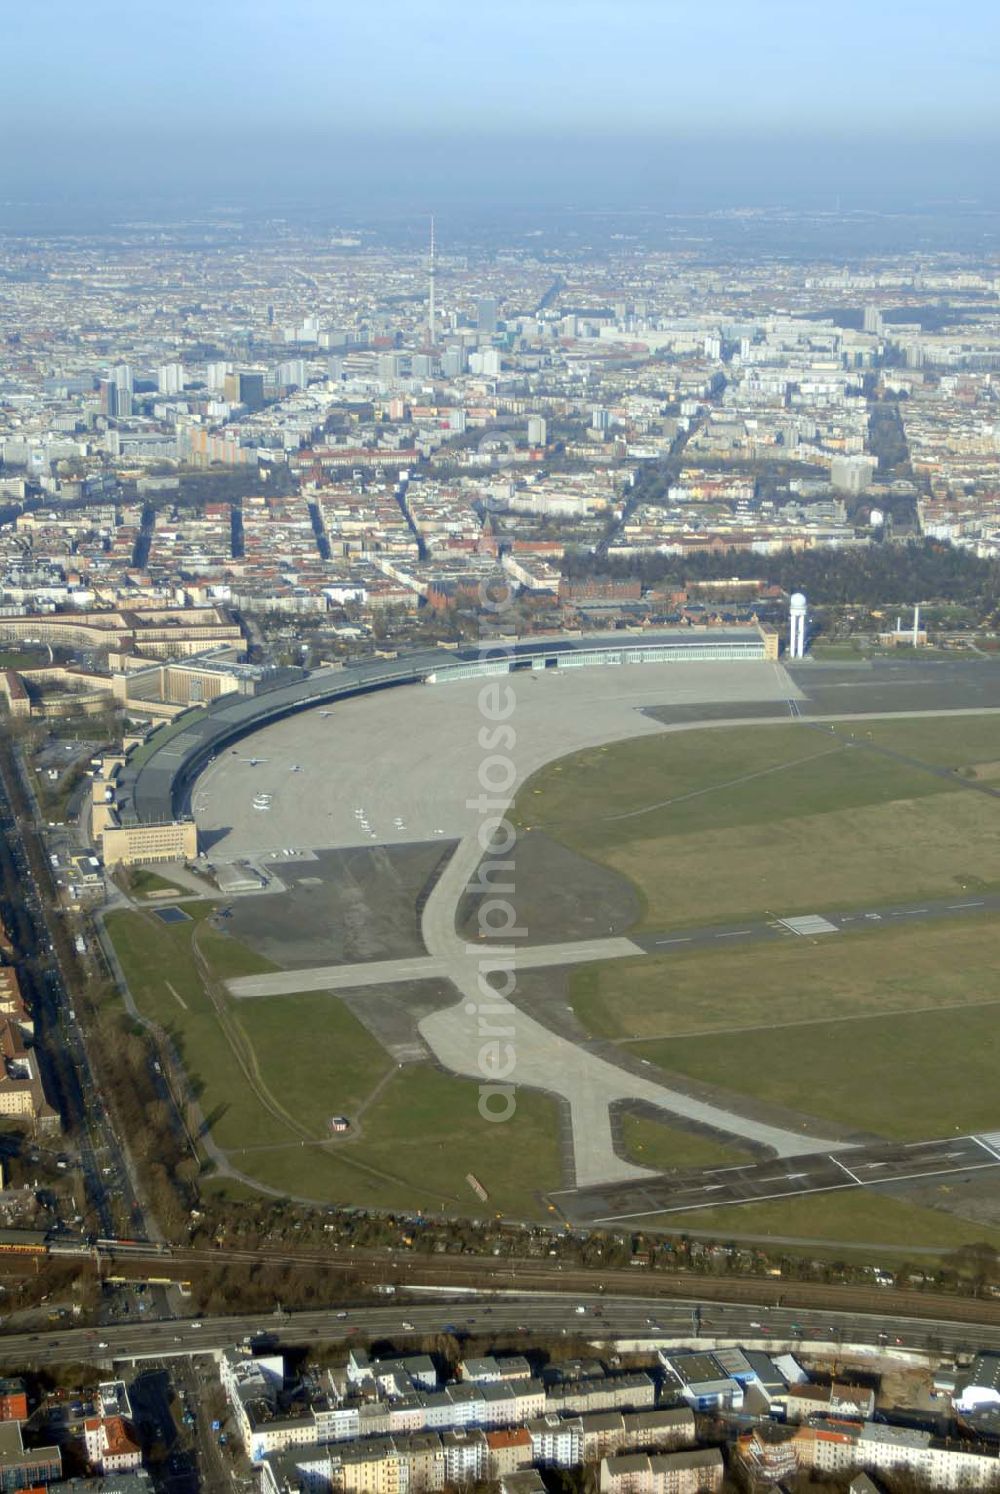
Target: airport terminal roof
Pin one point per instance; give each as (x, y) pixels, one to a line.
(154, 784)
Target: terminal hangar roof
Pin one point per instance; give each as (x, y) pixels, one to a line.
(155, 789)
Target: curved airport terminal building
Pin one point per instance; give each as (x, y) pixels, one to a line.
(153, 786)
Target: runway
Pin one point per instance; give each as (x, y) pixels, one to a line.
(869, 1166)
(817, 925)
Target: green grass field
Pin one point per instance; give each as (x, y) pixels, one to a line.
(843, 978)
(656, 1144)
(716, 824)
(416, 1146)
(856, 1216)
(909, 1076)
(270, 1073)
(891, 1031)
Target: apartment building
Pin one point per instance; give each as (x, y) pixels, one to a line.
(690, 1472)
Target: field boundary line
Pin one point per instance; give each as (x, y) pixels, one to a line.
(715, 1032)
(714, 788)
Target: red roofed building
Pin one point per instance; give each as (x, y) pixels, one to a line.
(13, 1400)
(508, 1451)
(111, 1444)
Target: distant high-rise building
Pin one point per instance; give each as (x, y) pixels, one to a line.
(422, 365)
(873, 320)
(852, 474)
(453, 362)
(486, 315)
(537, 430)
(122, 375)
(123, 400)
(170, 378)
(107, 395)
(600, 419)
(388, 367)
(292, 375)
(215, 375)
(485, 362)
(245, 389)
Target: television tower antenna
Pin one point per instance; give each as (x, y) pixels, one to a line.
(431, 273)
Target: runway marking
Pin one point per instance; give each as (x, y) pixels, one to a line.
(953, 906)
(939, 1172)
(691, 1203)
(986, 1147)
(685, 940)
(735, 934)
(852, 1175)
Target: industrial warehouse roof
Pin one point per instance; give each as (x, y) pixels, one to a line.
(154, 786)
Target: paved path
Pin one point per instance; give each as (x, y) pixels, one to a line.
(428, 967)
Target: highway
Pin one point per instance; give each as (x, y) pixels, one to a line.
(513, 1320)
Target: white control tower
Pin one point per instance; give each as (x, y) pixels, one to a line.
(797, 626)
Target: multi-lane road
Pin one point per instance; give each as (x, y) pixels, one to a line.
(516, 1319)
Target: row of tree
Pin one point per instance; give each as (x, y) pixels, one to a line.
(872, 576)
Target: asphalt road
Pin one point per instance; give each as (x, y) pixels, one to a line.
(874, 1165)
(514, 1319)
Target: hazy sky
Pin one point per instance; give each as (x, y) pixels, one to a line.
(441, 94)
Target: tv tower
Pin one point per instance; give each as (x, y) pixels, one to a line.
(431, 273)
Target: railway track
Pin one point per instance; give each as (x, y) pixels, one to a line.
(373, 1268)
